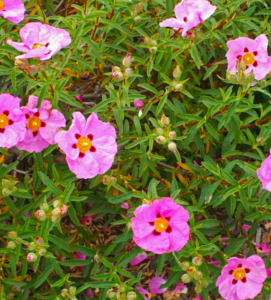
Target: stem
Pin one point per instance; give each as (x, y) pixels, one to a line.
(44, 18)
(177, 260)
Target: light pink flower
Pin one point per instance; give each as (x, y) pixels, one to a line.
(12, 121)
(161, 226)
(90, 145)
(90, 294)
(155, 284)
(262, 248)
(138, 103)
(144, 293)
(189, 13)
(41, 40)
(13, 10)
(242, 278)
(264, 173)
(215, 263)
(181, 288)
(42, 125)
(138, 259)
(252, 52)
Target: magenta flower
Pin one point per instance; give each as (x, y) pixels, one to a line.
(246, 227)
(268, 272)
(262, 248)
(13, 10)
(215, 263)
(12, 121)
(138, 259)
(252, 52)
(264, 173)
(90, 145)
(42, 125)
(242, 278)
(189, 13)
(181, 289)
(161, 226)
(138, 103)
(155, 284)
(89, 293)
(80, 256)
(41, 40)
(87, 220)
(144, 293)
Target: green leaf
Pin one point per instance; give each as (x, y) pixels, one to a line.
(43, 276)
(49, 183)
(59, 242)
(195, 55)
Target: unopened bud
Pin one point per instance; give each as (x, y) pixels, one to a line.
(127, 60)
(185, 278)
(113, 180)
(172, 135)
(115, 69)
(11, 245)
(199, 34)
(241, 65)
(44, 206)
(56, 219)
(8, 183)
(260, 140)
(197, 261)
(161, 140)
(159, 131)
(64, 209)
(198, 289)
(43, 66)
(21, 63)
(191, 271)
(250, 76)
(131, 296)
(137, 19)
(97, 258)
(72, 291)
(172, 147)
(12, 235)
(129, 225)
(32, 257)
(8, 191)
(32, 70)
(117, 76)
(165, 120)
(177, 72)
(178, 87)
(139, 7)
(111, 294)
(185, 265)
(32, 246)
(41, 215)
(56, 212)
(39, 241)
(42, 251)
(64, 293)
(150, 42)
(197, 275)
(57, 203)
(153, 50)
(129, 72)
(231, 76)
(106, 179)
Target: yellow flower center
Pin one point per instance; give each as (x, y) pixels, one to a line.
(239, 274)
(84, 144)
(3, 120)
(34, 123)
(248, 58)
(36, 45)
(2, 4)
(161, 225)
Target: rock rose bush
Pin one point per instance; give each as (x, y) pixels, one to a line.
(135, 149)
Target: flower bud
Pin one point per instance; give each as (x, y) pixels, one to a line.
(137, 19)
(185, 278)
(44, 206)
(241, 65)
(117, 76)
(64, 209)
(39, 241)
(106, 179)
(150, 42)
(41, 215)
(32, 257)
(140, 112)
(177, 72)
(165, 120)
(72, 291)
(172, 147)
(172, 135)
(111, 294)
(8, 183)
(139, 7)
(64, 293)
(56, 219)
(56, 212)
(131, 296)
(113, 180)
(8, 191)
(185, 265)
(159, 131)
(178, 87)
(11, 245)
(32, 246)
(231, 76)
(191, 271)
(199, 34)
(115, 69)
(43, 66)
(260, 140)
(250, 76)
(97, 258)
(197, 275)
(129, 72)
(197, 261)
(12, 235)
(129, 225)
(138, 103)
(198, 289)
(153, 50)
(32, 70)
(42, 251)
(161, 140)
(57, 203)
(127, 60)
(21, 63)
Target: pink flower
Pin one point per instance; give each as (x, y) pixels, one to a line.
(144, 293)
(79, 98)
(13, 10)
(125, 205)
(215, 263)
(27, 215)
(12, 121)
(87, 220)
(90, 294)
(268, 272)
(246, 227)
(198, 297)
(155, 284)
(262, 248)
(138, 259)
(189, 13)
(264, 173)
(41, 40)
(224, 239)
(81, 257)
(252, 52)
(64, 209)
(90, 145)
(242, 278)
(161, 226)
(42, 125)
(138, 103)
(181, 288)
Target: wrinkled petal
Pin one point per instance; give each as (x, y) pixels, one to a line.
(155, 284)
